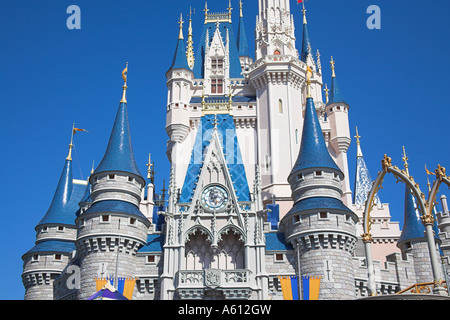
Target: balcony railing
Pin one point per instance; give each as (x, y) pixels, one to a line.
(214, 278)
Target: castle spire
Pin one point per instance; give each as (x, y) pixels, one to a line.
(58, 211)
(119, 153)
(180, 60)
(413, 228)
(335, 95)
(242, 44)
(313, 149)
(363, 181)
(306, 44)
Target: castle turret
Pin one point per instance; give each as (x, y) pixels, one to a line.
(319, 223)
(413, 238)
(55, 237)
(179, 84)
(112, 230)
(337, 113)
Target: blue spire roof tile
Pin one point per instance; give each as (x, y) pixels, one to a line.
(413, 228)
(242, 44)
(62, 210)
(180, 59)
(313, 150)
(119, 153)
(335, 93)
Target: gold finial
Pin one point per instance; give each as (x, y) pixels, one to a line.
(69, 157)
(333, 67)
(405, 161)
(190, 43)
(180, 22)
(92, 169)
(359, 153)
(229, 8)
(357, 137)
(327, 91)
(125, 78)
(309, 73)
(241, 15)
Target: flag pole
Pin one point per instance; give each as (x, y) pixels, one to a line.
(299, 276)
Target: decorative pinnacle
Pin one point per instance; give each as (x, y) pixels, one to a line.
(357, 137)
(149, 166)
(405, 161)
(327, 91)
(304, 14)
(241, 15)
(69, 157)
(93, 166)
(359, 153)
(125, 78)
(180, 36)
(333, 67)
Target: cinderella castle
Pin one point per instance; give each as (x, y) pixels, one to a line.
(259, 188)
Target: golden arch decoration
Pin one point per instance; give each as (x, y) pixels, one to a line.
(424, 206)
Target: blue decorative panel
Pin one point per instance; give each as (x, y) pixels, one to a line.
(233, 157)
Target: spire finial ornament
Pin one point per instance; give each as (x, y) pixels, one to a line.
(93, 167)
(206, 11)
(241, 15)
(69, 157)
(180, 22)
(190, 43)
(405, 161)
(327, 93)
(149, 166)
(359, 153)
(333, 67)
(357, 137)
(125, 78)
(304, 13)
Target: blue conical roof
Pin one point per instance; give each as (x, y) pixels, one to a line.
(119, 154)
(180, 59)
(306, 42)
(62, 210)
(242, 44)
(413, 228)
(313, 150)
(335, 92)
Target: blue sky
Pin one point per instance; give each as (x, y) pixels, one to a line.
(395, 80)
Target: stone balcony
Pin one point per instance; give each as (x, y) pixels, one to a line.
(226, 284)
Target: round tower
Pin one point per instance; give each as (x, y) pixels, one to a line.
(55, 238)
(337, 113)
(112, 229)
(319, 223)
